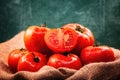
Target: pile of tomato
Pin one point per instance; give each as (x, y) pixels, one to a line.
(71, 46)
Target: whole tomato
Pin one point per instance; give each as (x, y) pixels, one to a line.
(69, 61)
(14, 57)
(85, 36)
(61, 40)
(34, 39)
(32, 61)
(92, 54)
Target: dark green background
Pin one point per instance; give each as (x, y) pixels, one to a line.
(101, 16)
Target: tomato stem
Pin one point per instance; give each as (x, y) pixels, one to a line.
(22, 49)
(97, 43)
(66, 53)
(43, 25)
(78, 28)
(36, 59)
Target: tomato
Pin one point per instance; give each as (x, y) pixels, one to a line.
(69, 61)
(14, 57)
(34, 39)
(32, 61)
(92, 54)
(85, 36)
(61, 40)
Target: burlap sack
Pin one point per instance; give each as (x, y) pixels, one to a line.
(93, 71)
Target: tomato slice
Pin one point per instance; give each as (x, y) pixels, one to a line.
(61, 40)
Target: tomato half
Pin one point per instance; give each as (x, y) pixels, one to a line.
(61, 40)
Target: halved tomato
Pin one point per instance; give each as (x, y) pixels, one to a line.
(61, 40)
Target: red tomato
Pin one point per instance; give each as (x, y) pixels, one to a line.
(85, 36)
(14, 57)
(97, 54)
(61, 40)
(32, 61)
(70, 61)
(34, 39)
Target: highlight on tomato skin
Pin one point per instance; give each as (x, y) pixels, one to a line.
(61, 40)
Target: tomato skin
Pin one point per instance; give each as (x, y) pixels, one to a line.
(85, 36)
(32, 61)
(14, 57)
(34, 39)
(92, 54)
(70, 61)
(61, 40)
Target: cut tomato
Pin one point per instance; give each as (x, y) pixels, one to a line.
(61, 40)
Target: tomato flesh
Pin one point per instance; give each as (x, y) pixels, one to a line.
(61, 40)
